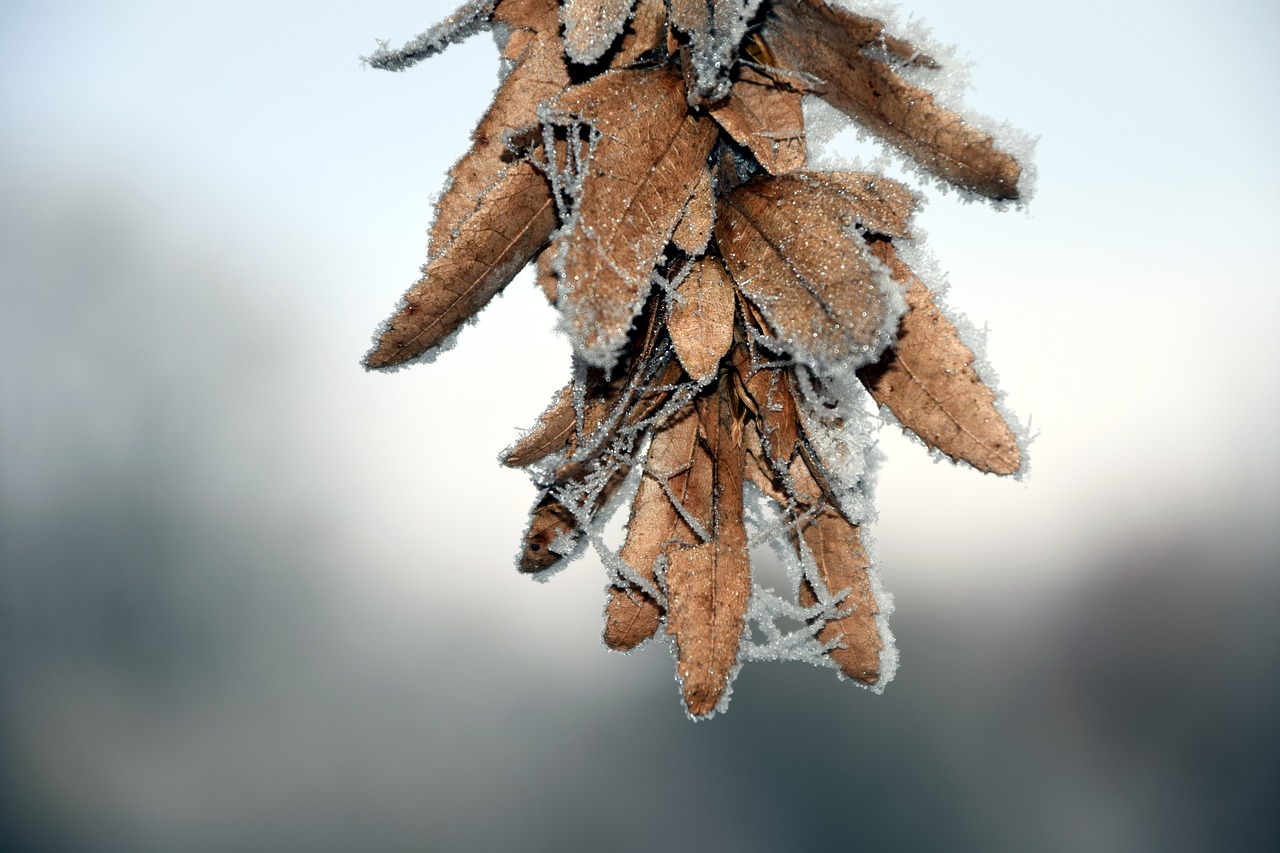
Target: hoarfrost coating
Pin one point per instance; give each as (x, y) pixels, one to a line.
(735, 313)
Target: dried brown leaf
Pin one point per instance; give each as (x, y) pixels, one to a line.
(655, 524)
(496, 212)
(646, 156)
(539, 73)
(551, 433)
(646, 32)
(877, 204)
(693, 231)
(927, 380)
(631, 616)
(515, 219)
(767, 119)
(709, 583)
(787, 242)
(550, 521)
(553, 523)
(842, 564)
(827, 42)
(712, 29)
(777, 417)
(591, 26)
(700, 321)
(781, 465)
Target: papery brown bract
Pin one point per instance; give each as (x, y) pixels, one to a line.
(784, 469)
(551, 433)
(656, 524)
(538, 72)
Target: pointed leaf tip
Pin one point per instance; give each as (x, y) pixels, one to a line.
(828, 42)
(928, 382)
(514, 220)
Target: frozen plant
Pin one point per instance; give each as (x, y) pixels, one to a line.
(730, 308)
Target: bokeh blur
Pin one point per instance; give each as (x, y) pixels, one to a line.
(252, 598)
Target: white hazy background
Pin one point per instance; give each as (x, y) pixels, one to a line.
(253, 598)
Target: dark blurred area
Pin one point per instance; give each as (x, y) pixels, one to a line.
(191, 660)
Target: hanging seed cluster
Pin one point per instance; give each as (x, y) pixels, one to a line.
(728, 306)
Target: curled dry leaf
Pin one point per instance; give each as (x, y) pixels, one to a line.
(631, 616)
(657, 524)
(555, 522)
(842, 572)
(927, 380)
(786, 471)
(497, 212)
(814, 38)
(550, 524)
(674, 541)
(717, 291)
(539, 72)
(708, 582)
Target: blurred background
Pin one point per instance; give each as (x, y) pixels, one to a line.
(254, 598)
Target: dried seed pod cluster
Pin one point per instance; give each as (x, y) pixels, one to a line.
(727, 306)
